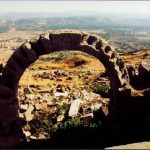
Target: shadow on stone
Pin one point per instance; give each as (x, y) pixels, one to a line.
(125, 128)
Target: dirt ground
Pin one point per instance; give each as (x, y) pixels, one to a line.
(11, 40)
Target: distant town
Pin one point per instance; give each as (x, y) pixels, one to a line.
(126, 40)
(124, 34)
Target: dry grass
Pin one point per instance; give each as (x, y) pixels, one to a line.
(92, 64)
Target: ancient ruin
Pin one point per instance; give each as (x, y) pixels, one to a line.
(29, 52)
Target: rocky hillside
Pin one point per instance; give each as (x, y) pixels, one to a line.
(63, 90)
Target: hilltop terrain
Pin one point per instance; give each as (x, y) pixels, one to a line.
(125, 32)
(48, 86)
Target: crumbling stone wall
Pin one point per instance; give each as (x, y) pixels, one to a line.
(29, 52)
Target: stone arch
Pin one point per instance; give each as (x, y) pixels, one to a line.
(47, 43)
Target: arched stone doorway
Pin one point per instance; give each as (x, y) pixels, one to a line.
(48, 43)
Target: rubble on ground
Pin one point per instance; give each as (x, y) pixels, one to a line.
(79, 103)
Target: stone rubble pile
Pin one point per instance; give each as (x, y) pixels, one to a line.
(139, 76)
(52, 74)
(80, 103)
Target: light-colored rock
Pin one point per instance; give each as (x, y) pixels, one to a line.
(42, 136)
(24, 107)
(96, 106)
(48, 99)
(30, 96)
(29, 116)
(27, 133)
(21, 115)
(144, 67)
(74, 107)
(60, 118)
(27, 127)
(104, 100)
(38, 106)
(44, 106)
(30, 109)
(32, 137)
(49, 103)
(57, 94)
(87, 117)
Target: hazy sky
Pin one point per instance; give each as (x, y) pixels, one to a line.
(58, 6)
